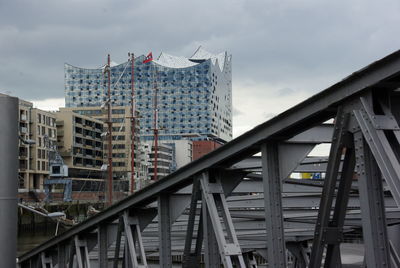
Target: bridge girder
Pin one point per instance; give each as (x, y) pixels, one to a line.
(363, 164)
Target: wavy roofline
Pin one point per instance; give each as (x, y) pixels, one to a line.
(178, 62)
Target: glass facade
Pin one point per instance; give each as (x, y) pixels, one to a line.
(194, 102)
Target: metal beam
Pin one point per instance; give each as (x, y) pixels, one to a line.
(372, 206)
(273, 205)
(290, 156)
(46, 260)
(164, 230)
(333, 257)
(212, 259)
(61, 253)
(315, 135)
(214, 197)
(81, 253)
(297, 250)
(117, 249)
(323, 230)
(132, 229)
(383, 152)
(192, 259)
(102, 233)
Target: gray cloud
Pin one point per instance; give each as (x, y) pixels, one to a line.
(285, 92)
(305, 44)
(268, 116)
(236, 112)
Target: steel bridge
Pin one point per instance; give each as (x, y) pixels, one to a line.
(238, 207)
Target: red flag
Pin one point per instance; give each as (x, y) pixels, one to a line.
(148, 58)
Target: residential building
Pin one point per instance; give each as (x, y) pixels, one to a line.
(121, 138)
(182, 151)
(25, 158)
(80, 144)
(164, 161)
(143, 177)
(44, 132)
(37, 130)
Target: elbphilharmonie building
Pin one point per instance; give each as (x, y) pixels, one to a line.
(194, 97)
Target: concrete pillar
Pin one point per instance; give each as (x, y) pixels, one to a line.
(8, 180)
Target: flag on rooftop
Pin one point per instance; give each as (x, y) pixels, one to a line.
(148, 58)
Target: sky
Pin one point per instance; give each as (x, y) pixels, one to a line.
(283, 51)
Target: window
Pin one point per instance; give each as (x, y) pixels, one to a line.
(22, 182)
(118, 155)
(118, 164)
(118, 120)
(116, 146)
(118, 111)
(38, 165)
(118, 129)
(118, 137)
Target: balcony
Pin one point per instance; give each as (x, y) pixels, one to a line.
(88, 156)
(23, 117)
(23, 130)
(98, 146)
(23, 165)
(78, 120)
(76, 144)
(65, 153)
(60, 144)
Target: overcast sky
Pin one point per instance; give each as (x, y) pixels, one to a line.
(283, 51)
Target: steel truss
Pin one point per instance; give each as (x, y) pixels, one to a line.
(229, 208)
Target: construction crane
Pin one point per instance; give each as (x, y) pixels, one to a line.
(58, 174)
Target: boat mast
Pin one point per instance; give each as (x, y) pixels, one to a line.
(155, 125)
(132, 123)
(109, 123)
